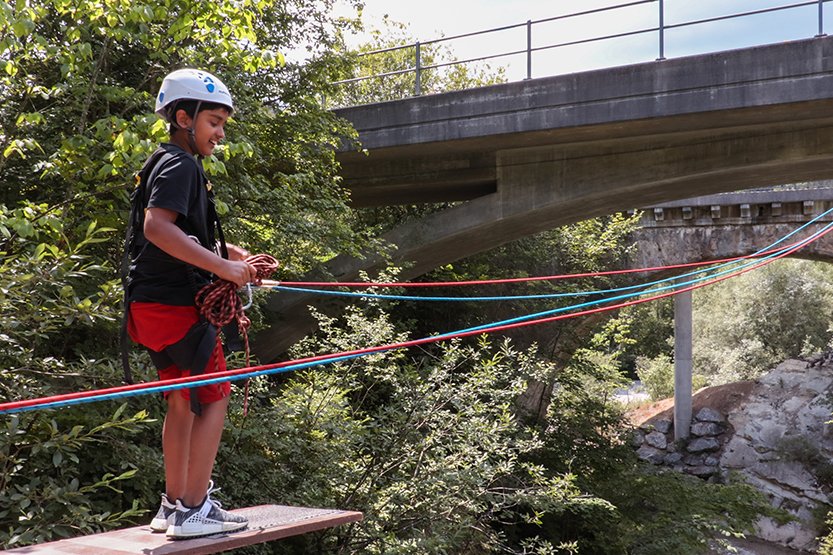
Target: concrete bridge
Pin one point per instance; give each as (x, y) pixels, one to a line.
(531, 156)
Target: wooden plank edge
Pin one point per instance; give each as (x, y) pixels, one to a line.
(207, 546)
(197, 546)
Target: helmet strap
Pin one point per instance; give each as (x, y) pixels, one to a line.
(192, 137)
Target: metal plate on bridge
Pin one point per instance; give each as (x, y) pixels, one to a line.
(266, 523)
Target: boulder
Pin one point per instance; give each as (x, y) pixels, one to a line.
(656, 439)
(702, 444)
(701, 471)
(708, 415)
(650, 454)
(700, 429)
(672, 459)
(662, 425)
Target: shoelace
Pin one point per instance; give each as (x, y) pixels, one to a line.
(212, 489)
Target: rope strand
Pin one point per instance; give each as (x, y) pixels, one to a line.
(124, 391)
(219, 303)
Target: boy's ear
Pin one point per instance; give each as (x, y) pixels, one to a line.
(183, 119)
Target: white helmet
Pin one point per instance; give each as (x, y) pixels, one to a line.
(191, 84)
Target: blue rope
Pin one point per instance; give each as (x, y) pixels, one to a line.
(367, 295)
(440, 337)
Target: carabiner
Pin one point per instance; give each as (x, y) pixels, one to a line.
(249, 291)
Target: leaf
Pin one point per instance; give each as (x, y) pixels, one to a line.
(118, 412)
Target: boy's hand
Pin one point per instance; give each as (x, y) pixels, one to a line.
(237, 253)
(238, 272)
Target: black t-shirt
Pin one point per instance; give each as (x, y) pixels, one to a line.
(178, 183)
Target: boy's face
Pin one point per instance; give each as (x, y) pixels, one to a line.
(209, 129)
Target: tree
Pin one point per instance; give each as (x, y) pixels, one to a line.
(427, 446)
(746, 325)
(77, 102)
(77, 86)
(390, 52)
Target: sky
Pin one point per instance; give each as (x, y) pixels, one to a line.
(431, 19)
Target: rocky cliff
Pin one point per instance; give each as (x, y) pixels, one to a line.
(773, 432)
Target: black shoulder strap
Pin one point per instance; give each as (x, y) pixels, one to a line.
(134, 224)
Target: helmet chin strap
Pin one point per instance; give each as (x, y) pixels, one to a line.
(192, 137)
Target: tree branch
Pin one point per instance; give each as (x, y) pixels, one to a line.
(85, 111)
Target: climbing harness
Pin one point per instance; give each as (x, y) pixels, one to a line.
(135, 224)
(194, 350)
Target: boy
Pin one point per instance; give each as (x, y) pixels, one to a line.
(174, 255)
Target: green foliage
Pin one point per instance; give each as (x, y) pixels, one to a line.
(664, 511)
(657, 376)
(747, 325)
(429, 445)
(826, 542)
(588, 246)
(57, 309)
(426, 446)
(651, 332)
(396, 63)
(76, 121)
(47, 284)
(638, 508)
(77, 87)
(45, 491)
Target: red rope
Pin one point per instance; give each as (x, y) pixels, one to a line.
(86, 396)
(29, 404)
(363, 284)
(219, 303)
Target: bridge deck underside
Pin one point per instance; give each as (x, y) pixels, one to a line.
(531, 156)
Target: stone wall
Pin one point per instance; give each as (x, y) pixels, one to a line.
(699, 456)
(776, 436)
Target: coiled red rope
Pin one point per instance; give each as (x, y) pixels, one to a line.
(219, 303)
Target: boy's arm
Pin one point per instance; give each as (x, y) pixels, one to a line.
(161, 230)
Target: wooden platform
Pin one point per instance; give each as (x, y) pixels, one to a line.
(266, 523)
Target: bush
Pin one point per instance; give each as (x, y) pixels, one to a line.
(427, 446)
(657, 376)
(45, 489)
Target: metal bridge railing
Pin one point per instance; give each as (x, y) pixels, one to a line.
(529, 50)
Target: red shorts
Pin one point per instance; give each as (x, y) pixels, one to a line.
(156, 326)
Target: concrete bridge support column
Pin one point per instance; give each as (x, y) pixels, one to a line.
(682, 365)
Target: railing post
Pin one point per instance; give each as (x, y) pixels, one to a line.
(529, 49)
(661, 30)
(821, 18)
(418, 71)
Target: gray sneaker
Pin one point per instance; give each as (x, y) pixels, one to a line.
(164, 517)
(207, 519)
